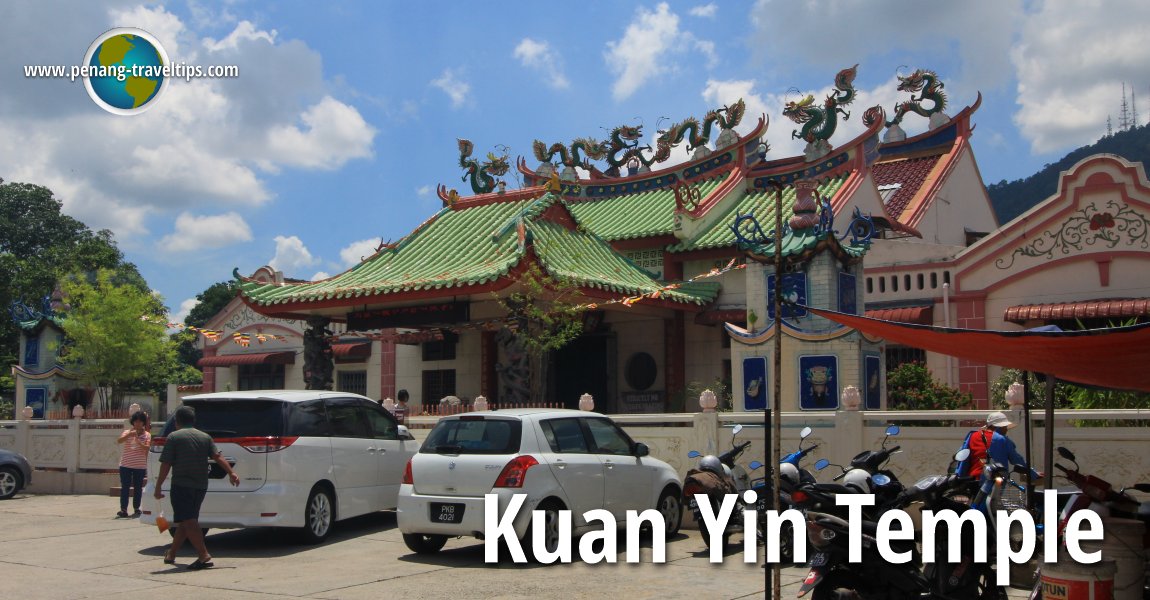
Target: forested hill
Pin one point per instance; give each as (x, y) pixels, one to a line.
(1013, 198)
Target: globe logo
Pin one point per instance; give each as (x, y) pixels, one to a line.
(129, 66)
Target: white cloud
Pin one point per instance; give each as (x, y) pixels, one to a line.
(320, 275)
(333, 134)
(186, 307)
(207, 142)
(423, 191)
(245, 31)
(637, 56)
(977, 33)
(355, 252)
(455, 89)
(291, 255)
(1070, 70)
(541, 57)
(642, 53)
(706, 11)
(206, 232)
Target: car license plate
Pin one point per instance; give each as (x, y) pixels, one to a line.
(442, 512)
(819, 559)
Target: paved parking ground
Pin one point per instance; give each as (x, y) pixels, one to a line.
(72, 547)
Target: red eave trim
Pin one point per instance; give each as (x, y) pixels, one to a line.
(255, 358)
(1084, 309)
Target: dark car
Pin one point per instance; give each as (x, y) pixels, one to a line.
(15, 473)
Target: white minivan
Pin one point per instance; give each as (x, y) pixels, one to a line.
(304, 458)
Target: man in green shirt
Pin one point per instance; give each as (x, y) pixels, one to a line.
(186, 454)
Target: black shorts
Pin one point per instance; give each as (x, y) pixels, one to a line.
(186, 503)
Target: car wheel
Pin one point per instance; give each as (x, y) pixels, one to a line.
(318, 515)
(671, 507)
(424, 544)
(10, 482)
(550, 527)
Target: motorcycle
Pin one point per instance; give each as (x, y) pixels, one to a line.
(1100, 496)
(865, 465)
(733, 480)
(831, 576)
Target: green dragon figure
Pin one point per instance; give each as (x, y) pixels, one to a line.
(482, 181)
(819, 123)
(623, 145)
(569, 155)
(728, 117)
(925, 81)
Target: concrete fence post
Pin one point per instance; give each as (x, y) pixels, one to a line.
(847, 440)
(23, 437)
(72, 446)
(705, 433)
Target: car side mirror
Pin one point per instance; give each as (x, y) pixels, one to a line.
(404, 434)
(640, 449)
(694, 454)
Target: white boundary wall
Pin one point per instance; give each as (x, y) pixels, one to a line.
(81, 455)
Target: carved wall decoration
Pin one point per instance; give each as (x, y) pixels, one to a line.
(47, 450)
(1102, 228)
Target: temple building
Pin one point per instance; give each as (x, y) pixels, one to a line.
(675, 282)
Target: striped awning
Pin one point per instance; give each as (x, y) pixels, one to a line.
(351, 352)
(919, 315)
(1116, 308)
(254, 358)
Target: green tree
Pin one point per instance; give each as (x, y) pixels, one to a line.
(910, 386)
(208, 303)
(546, 315)
(108, 340)
(39, 246)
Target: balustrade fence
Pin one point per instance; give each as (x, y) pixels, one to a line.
(1113, 444)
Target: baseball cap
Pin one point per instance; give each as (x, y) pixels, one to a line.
(998, 419)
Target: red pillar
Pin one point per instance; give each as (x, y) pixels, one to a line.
(972, 376)
(387, 364)
(488, 379)
(209, 373)
(675, 356)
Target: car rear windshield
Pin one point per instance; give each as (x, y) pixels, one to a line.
(474, 436)
(239, 418)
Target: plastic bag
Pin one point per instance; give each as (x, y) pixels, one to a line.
(162, 522)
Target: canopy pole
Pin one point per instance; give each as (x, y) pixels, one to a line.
(775, 409)
(1048, 483)
(1026, 436)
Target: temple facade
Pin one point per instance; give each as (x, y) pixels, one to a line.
(675, 283)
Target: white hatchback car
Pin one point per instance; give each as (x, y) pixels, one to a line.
(305, 459)
(561, 459)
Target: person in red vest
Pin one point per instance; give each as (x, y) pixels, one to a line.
(990, 444)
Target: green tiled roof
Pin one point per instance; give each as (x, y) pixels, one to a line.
(798, 242)
(759, 203)
(476, 245)
(633, 216)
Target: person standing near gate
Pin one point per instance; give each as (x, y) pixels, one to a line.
(185, 456)
(134, 444)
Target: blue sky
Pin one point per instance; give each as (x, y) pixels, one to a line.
(345, 115)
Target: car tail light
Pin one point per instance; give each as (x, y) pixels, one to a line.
(407, 478)
(158, 444)
(261, 445)
(515, 472)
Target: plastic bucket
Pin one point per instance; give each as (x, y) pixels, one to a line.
(1073, 581)
(1122, 543)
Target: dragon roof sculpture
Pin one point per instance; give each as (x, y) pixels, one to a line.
(481, 174)
(928, 83)
(819, 123)
(699, 135)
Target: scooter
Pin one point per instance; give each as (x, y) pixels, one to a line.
(1100, 496)
(734, 480)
